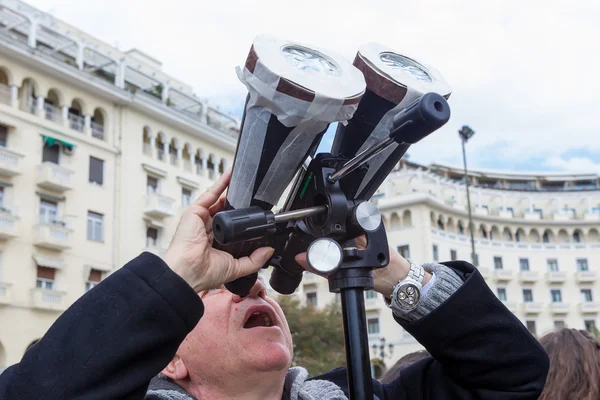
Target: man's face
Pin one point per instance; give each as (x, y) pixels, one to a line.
(238, 334)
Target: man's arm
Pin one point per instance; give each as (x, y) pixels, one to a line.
(112, 341)
(480, 349)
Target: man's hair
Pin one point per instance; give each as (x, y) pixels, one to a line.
(574, 365)
(393, 373)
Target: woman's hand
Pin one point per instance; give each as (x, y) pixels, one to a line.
(191, 254)
(384, 278)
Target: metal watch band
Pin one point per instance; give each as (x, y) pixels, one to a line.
(416, 273)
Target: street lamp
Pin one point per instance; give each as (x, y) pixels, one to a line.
(465, 134)
(382, 349)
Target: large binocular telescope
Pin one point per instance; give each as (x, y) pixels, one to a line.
(383, 102)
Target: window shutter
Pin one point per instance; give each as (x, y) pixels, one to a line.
(95, 275)
(45, 272)
(97, 170)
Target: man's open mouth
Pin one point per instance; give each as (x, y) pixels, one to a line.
(259, 317)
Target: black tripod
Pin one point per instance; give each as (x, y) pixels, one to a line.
(322, 217)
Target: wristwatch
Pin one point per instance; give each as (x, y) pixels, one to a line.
(407, 292)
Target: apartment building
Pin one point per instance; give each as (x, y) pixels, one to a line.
(536, 238)
(99, 152)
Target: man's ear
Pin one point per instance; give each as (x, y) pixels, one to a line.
(176, 369)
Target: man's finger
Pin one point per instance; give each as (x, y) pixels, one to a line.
(249, 265)
(219, 205)
(209, 197)
(301, 259)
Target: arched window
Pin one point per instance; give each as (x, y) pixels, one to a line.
(548, 236)
(52, 105)
(76, 120)
(147, 141)
(593, 236)
(563, 236)
(98, 123)
(395, 221)
(534, 236)
(577, 236)
(507, 235)
(483, 232)
(407, 218)
(440, 223)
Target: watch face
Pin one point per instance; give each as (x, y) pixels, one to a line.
(408, 296)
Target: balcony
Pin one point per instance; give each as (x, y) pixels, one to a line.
(482, 211)
(9, 162)
(532, 307)
(505, 214)
(592, 216)
(528, 276)
(53, 235)
(97, 130)
(51, 112)
(159, 206)
(511, 305)
(503, 274)
(585, 276)
(561, 216)
(556, 277)
(559, 308)
(589, 307)
(54, 177)
(46, 299)
(76, 122)
(8, 223)
(532, 216)
(5, 293)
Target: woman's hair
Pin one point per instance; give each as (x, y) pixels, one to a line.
(405, 361)
(574, 365)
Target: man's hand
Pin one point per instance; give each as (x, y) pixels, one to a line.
(191, 254)
(384, 278)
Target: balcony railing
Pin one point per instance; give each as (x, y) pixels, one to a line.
(97, 130)
(173, 159)
(5, 293)
(528, 276)
(8, 222)
(51, 112)
(532, 307)
(158, 205)
(556, 277)
(559, 308)
(586, 276)
(589, 307)
(76, 122)
(54, 177)
(503, 274)
(46, 299)
(53, 235)
(9, 162)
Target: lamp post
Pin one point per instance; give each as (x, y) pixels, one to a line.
(379, 350)
(465, 134)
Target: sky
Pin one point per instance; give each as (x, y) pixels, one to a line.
(525, 74)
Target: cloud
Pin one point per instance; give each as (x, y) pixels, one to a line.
(574, 164)
(523, 72)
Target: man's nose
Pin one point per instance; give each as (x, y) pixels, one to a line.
(259, 290)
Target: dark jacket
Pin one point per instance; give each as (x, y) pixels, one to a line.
(114, 339)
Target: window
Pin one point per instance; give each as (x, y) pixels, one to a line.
(590, 326)
(311, 299)
(556, 295)
(435, 252)
(94, 279)
(3, 135)
(373, 326)
(48, 211)
(453, 255)
(527, 295)
(1, 196)
(586, 295)
(371, 294)
(151, 237)
(501, 294)
(45, 278)
(186, 197)
(524, 264)
(96, 171)
(582, 264)
(483, 233)
(95, 226)
(545, 238)
(517, 236)
(151, 185)
(558, 325)
(404, 251)
(498, 263)
(461, 229)
(530, 327)
(552, 265)
(576, 237)
(51, 153)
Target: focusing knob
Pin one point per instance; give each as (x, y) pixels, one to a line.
(324, 256)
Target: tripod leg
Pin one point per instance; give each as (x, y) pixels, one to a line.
(357, 345)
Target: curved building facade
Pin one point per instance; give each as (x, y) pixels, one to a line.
(536, 236)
